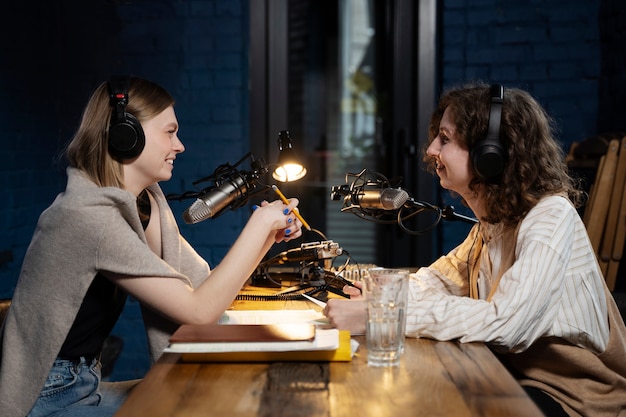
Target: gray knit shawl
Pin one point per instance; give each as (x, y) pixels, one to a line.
(86, 229)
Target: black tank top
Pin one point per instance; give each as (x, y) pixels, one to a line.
(101, 308)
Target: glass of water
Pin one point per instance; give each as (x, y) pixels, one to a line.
(386, 293)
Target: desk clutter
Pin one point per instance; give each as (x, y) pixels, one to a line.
(263, 336)
(309, 266)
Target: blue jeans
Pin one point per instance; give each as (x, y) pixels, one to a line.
(73, 389)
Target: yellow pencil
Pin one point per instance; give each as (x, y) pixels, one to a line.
(295, 212)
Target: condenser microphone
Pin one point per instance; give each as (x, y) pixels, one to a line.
(213, 201)
(382, 199)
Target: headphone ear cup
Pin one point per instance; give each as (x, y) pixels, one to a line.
(126, 137)
(488, 158)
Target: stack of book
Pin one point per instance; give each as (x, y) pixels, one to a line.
(233, 341)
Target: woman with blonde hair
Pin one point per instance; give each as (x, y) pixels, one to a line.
(111, 234)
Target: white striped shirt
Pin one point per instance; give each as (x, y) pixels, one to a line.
(553, 288)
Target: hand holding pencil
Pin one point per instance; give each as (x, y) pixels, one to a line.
(295, 211)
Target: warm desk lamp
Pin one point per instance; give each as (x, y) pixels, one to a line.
(288, 167)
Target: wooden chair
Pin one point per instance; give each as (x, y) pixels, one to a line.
(4, 308)
(605, 212)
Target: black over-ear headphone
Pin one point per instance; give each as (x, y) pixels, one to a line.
(126, 137)
(488, 155)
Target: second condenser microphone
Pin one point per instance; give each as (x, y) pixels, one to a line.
(382, 199)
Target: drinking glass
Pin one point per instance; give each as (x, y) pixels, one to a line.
(386, 293)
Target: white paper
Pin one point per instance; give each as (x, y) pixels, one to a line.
(272, 317)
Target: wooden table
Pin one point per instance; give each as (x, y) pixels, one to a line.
(434, 379)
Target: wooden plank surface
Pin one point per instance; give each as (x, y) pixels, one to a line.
(420, 386)
(434, 379)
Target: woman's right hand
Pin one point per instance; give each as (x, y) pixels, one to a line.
(354, 291)
(348, 314)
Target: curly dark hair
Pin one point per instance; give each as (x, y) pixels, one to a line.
(535, 165)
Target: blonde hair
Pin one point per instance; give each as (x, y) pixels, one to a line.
(89, 148)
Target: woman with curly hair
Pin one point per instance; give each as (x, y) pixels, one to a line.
(525, 281)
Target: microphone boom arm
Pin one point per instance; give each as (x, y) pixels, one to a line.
(448, 213)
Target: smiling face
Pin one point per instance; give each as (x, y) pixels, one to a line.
(156, 161)
(452, 161)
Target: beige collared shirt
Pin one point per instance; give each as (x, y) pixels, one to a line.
(553, 288)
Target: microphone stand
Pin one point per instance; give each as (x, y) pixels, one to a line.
(448, 213)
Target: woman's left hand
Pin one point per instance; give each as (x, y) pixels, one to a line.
(292, 228)
(292, 231)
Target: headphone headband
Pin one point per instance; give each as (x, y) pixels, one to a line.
(488, 155)
(118, 96)
(495, 112)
